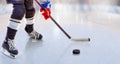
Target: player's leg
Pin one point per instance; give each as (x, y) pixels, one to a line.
(13, 25)
(29, 28)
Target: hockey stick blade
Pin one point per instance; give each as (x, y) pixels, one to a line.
(80, 39)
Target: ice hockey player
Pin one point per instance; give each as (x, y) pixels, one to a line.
(23, 8)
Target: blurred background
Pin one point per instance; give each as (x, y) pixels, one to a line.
(98, 11)
(88, 5)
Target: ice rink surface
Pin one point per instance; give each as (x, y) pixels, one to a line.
(55, 48)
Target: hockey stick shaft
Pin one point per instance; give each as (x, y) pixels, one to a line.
(55, 21)
(60, 27)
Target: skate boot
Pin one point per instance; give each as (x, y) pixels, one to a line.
(32, 33)
(9, 48)
(35, 35)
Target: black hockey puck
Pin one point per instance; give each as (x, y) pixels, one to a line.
(76, 51)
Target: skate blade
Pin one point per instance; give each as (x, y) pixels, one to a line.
(33, 40)
(6, 53)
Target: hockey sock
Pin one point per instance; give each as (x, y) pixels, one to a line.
(29, 28)
(10, 33)
(29, 25)
(12, 29)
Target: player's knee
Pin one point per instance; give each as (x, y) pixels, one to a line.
(18, 11)
(30, 12)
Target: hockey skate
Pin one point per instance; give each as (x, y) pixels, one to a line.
(9, 49)
(35, 35)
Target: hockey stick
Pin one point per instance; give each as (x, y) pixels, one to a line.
(74, 39)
